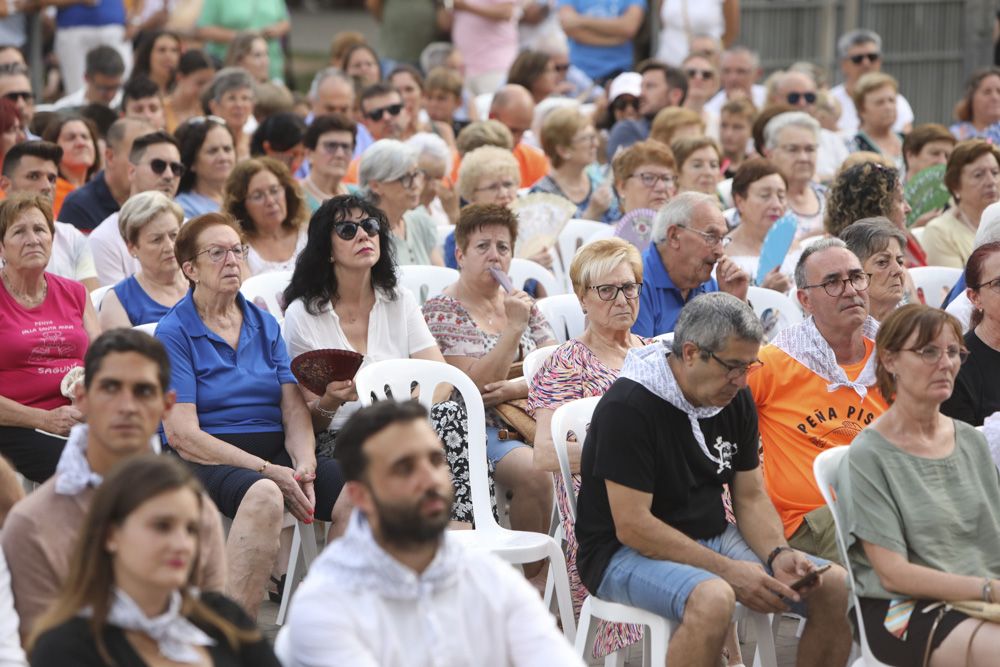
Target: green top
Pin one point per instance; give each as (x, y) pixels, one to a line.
(246, 15)
(407, 27)
(421, 237)
(939, 513)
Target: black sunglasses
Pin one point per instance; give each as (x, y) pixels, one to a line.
(392, 109)
(348, 230)
(159, 166)
(15, 95)
(793, 98)
(622, 102)
(860, 58)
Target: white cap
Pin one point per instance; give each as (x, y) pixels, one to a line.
(626, 83)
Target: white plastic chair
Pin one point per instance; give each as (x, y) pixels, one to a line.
(533, 361)
(564, 314)
(283, 647)
(97, 296)
(304, 551)
(514, 546)
(149, 327)
(426, 281)
(918, 233)
(608, 232)
(826, 467)
(442, 235)
(264, 291)
(935, 281)
(763, 300)
(522, 270)
(574, 234)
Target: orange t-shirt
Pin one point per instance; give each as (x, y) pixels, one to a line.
(798, 419)
(63, 188)
(534, 165)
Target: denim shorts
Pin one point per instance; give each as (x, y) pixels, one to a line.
(496, 448)
(663, 586)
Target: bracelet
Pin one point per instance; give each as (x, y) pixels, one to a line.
(329, 414)
(987, 590)
(263, 466)
(774, 554)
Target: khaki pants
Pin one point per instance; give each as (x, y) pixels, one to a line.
(817, 535)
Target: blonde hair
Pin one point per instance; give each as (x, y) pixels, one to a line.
(869, 83)
(669, 120)
(141, 208)
(558, 130)
(486, 160)
(599, 258)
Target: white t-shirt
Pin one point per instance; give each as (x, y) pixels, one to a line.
(830, 154)
(396, 329)
(680, 18)
(849, 121)
(70, 257)
(258, 264)
(111, 255)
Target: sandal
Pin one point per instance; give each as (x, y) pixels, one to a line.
(279, 584)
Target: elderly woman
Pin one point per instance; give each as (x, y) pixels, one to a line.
(875, 99)
(978, 112)
(249, 51)
(698, 164)
(570, 142)
(923, 503)
(976, 397)
(644, 180)
(973, 178)
(46, 324)
(329, 143)
(791, 140)
(438, 197)
(391, 179)
(149, 222)
(536, 71)
(759, 193)
(675, 123)
(879, 245)
(208, 155)
(77, 136)
(240, 420)
(231, 97)
(483, 330)
(266, 201)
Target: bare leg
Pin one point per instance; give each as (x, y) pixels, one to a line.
(284, 550)
(253, 544)
(708, 616)
(826, 639)
(985, 646)
(733, 646)
(339, 517)
(531, 490)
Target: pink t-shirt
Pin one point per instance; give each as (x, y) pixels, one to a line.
(40, 345)
(486, 45)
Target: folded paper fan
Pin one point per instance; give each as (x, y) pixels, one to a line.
(636, 227)
(540, 218)
(925, 191)
(318, 368)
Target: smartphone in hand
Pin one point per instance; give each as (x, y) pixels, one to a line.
(810, 578)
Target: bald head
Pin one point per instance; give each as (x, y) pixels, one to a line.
(514, 107)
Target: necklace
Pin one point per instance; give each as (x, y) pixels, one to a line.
(24, 298)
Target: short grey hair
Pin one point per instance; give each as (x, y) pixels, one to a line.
(710, 320)
(809, 251)
(679, 211)
(323, 75)
(785, 120)
(426, 143)
(857, 37)
(434, 55)
(386, 160)
(868, 236)
(739, 49)
(141, 208)
(227, 79)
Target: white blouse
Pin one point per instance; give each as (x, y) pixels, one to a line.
(258, 264)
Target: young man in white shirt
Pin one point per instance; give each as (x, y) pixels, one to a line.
(396, 589)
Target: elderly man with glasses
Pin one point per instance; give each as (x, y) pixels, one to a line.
(860, 52)
(816, 389)
(689, 235)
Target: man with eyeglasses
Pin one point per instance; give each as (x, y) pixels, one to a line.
(799, 90)
(860, 52)
(102, 79)
(154, 164)
(677, 425)
(689, 235)
(816, 389)
(383, 116)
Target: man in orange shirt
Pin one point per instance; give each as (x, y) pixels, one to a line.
(816, 389)
(514, 107)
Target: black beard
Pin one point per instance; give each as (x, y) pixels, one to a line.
(404, 525)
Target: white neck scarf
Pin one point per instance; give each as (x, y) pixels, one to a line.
(73, 473)
(175, 636)
(806, 345)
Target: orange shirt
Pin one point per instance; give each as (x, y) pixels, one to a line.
(63, 188)
(534, 165)
(798, 419)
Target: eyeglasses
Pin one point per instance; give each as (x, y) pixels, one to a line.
(217, 253)
(408, 179)
(992, 284)
(348, 230)
(258, 196)
(836, 286)
(650, 180)
(711, 239)
(333, 147)
(703, 74)
(735, 371)
(793, 98)
(392, 110)
(859, 58)
(159, 166)
(932, 354)
(495, 188)
(610, 292)
(15, 95)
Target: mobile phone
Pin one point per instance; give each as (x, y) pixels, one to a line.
(810, 578)
(502, 278)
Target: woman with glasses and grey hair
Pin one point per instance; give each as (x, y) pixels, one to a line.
(880, 246)
(391, 179)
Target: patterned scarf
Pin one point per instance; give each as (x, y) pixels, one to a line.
(806, 345)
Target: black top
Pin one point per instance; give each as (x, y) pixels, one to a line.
(73, 644)
(638, 440)
(977, 392)
(88, 205)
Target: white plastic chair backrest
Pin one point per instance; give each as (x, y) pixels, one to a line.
(149, 327)
(564, 314)
(918, 233)
(97, 296)
(426, 281)
(573, 417)
(935, 281)
(283, 647)
(442, 235)
(265, 291)
(826, 468)
(522, 270)
(483, 102)
(573, 235)
(533, 361)
(763, 300)
(397, 375)
(607, 232)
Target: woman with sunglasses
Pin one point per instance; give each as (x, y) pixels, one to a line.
(208, 155)
(623, 100)
(240, 420)
(391, 179)
(264, 198)
(875, 100)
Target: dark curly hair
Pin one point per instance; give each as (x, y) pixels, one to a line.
(191, 135)
(865, 190)
(234, 195)
(314, 280)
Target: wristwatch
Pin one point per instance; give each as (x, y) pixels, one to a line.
(774, 554)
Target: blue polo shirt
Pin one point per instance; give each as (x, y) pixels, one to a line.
(660, 301)
(235, 391)
(88, 205)
(599, 62)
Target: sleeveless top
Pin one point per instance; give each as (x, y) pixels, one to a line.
(139, 306)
